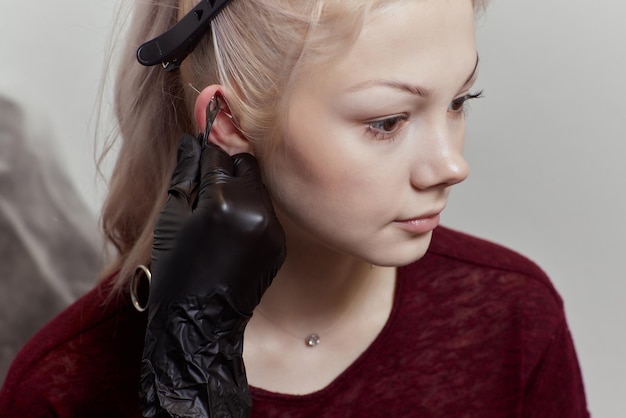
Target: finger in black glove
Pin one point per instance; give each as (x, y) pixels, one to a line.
(217, 246)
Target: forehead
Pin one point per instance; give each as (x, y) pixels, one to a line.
(429, 42)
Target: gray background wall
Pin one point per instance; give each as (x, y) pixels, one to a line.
(547, 148)
(546, 145)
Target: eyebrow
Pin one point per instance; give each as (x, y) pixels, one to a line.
(411, 88)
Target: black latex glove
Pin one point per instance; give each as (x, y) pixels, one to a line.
(213, 257)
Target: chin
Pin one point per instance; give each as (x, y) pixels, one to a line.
(402, 253)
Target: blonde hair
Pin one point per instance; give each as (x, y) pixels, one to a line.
(257, 49)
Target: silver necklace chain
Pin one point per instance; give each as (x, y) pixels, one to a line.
(311, 340)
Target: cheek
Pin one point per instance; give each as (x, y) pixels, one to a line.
(323, 189)
(345, 201)
(306, 178)
(306, 157)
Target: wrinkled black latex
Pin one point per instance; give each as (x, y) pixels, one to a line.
(217, 247)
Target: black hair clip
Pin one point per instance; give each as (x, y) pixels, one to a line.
(173, 46)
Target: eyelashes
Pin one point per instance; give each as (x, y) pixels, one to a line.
(389, 127)
(459, 105)
(383, 129)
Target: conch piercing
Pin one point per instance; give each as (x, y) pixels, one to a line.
(212, 109)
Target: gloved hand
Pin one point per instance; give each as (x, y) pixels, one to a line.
(217, 246)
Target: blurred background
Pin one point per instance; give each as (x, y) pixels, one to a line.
(546, 148)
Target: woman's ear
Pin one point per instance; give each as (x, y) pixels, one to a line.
(224, 133)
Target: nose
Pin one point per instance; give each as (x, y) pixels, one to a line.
(439, 160)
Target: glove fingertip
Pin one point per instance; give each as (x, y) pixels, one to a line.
(187, 160)
(215, 165)
(188, 148)
(247, 166)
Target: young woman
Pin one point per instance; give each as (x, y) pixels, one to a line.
(303, 238)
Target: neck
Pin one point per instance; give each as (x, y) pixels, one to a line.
(317, 285)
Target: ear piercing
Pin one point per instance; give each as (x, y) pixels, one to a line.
(212, 109)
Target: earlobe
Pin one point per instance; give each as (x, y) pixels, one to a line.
(224, 132)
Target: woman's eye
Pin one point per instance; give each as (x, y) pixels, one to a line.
(458, 105)
(387, 127)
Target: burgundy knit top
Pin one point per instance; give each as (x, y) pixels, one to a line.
(476, 330)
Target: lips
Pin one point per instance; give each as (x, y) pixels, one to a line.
(421, 224)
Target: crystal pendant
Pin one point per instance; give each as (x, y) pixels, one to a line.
(312, 340)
